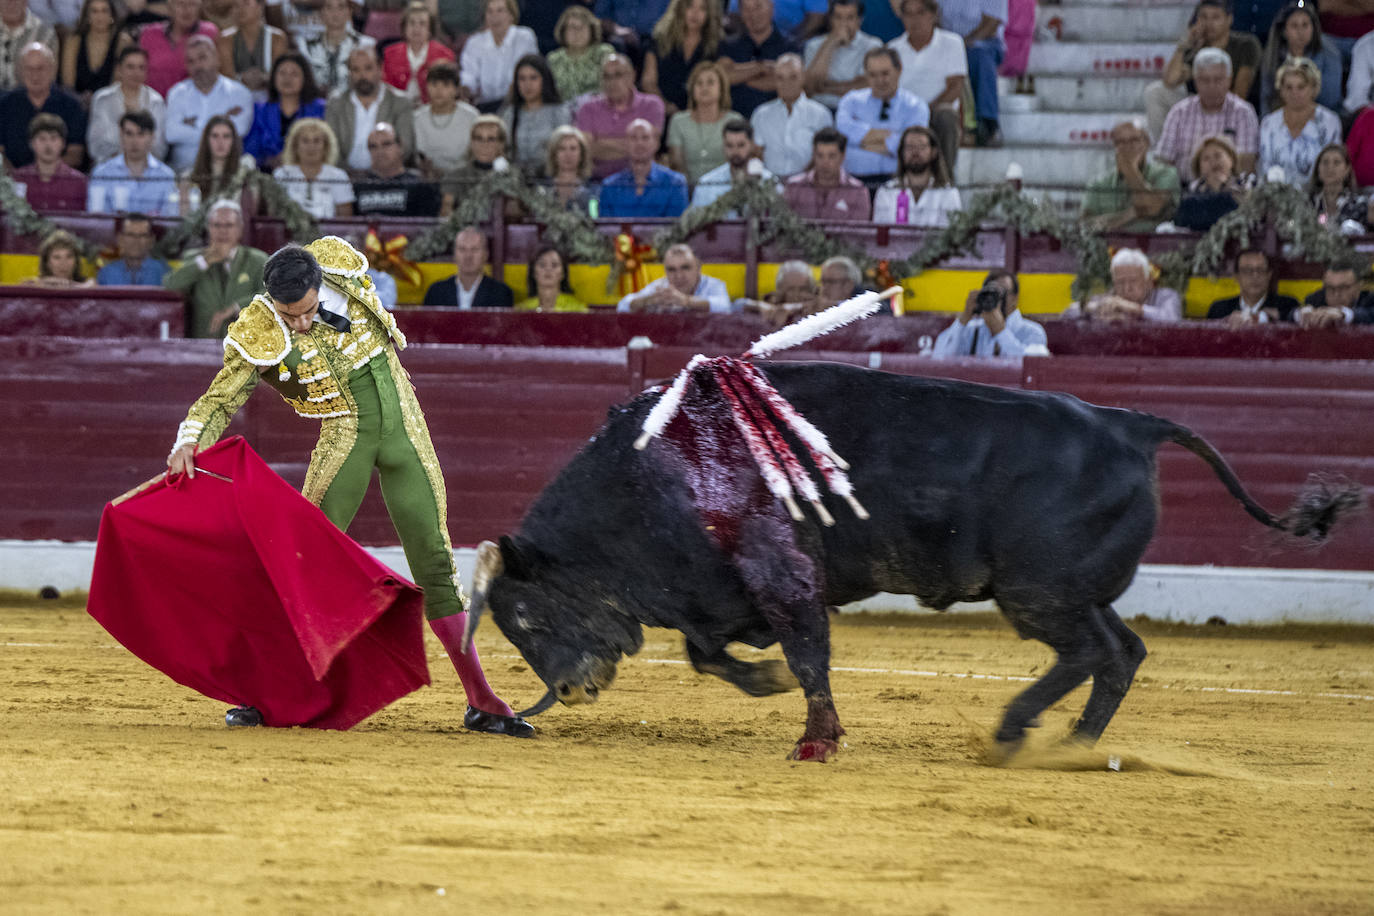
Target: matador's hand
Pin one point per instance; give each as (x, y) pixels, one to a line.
(183, 460)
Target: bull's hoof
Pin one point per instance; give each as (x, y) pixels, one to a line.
(512, 726)
(819, 750)
(768, 677)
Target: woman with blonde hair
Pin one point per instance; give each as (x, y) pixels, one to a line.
(59, 262)
(695, 142)
(489, 57)
(576, 64)
(567, 168)
(688, 34)
(1291, 137)
(307, 173)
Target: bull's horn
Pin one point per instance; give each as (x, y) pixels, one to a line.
(544, 703)
(489, 566)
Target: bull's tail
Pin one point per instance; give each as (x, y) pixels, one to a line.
(1322, 502)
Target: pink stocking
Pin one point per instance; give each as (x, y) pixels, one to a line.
(480, 695)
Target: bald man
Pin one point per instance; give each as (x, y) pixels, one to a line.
(37, 92)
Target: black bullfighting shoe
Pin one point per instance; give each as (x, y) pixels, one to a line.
(511, 726)
(242, 717)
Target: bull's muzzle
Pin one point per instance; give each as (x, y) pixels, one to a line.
(585, 687)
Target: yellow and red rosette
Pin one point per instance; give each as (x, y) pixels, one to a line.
(388, 256)
(630, 255)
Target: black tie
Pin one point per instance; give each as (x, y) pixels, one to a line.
(973, 347)
(882, 112)
(338, 322)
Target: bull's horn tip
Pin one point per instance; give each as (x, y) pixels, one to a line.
(641, 442)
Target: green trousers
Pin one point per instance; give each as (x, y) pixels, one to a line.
(382, 444)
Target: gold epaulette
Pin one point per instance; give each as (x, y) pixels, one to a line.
(259, 334)
(338, 258)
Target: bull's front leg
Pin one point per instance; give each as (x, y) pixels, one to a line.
(782, 580)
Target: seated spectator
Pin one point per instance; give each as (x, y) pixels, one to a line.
(203, 95)
(135, 180)
(487, 144)
(444, 126)
(992, 324)
(489, 57)
(1133, 296)
(841, 279)
(568, 166)
(1292, 137)
(606, 116)
(1297, 34)
(18, 27)
(826, 190)
(741, 164)
(979, 23)
(634, 19)
(165, 43)
(291, 94)
(1359, 85)
(221, 278)
(548, 284)
(249, 49)
(695, 146)
(1257, 303)
(688, 34)
(921, 193)
(59, 262)
(643, 188)
(388, 188)
(330, 50)
(134, 266)
(1217, 189)
(470, 287)
(218, 159)
(1210, 27)
(128, 93)
(1214, 111)
(38, 94)
(1360, 143)
(532, 112)
(576, 65)
(934, 69)
(1344, 22)
(1340, 301)
(1339, 204)
(352, 115)
(48, 182)
(872, 119)
(835, 58)
(794, 295)
(682, 288)
(788, 123)
(1139, 193)
(749, 56)
(89, 53)
(798, 20)
(406, 63)
(306, 175)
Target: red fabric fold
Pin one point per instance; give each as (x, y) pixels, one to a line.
(245, 592)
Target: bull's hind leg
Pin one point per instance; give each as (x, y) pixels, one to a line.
(758, 679)
(1113, 678)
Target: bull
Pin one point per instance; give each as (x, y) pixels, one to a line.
(1037, 501)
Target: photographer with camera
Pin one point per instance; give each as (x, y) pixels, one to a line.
(991, 323)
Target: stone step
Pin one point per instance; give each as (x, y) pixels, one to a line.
(1089, 93)
(1105, 23)
(1106, 59)
(1048, 165)
(1058, 128)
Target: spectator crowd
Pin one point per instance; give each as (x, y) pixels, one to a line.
(622, 109)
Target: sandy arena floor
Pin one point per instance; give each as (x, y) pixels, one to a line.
(1246, 786)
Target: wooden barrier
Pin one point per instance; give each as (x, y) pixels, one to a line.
(92, 311)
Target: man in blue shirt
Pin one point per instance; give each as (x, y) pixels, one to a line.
(989, 329)
(980, 24)
(133, 268)
(639, 16)
(644, 188)
(134, 181)
(872, 119)
(799, 19)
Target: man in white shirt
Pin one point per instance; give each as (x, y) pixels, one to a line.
(740, 165)
(787, 123)
(835, 60)
(934, 68)
(129, 92)
(682, 288)
(353, 115)
(205, 93)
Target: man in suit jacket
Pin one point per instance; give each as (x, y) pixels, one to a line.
(1257, 302)
(470, 288)
(221, 278)
(354, 114)
(1340, 301)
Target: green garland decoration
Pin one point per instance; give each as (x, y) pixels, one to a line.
(300, 225)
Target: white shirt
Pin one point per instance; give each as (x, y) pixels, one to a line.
(487, 68)
(321, 196)
(364, 120)
(188, 109)
(932, 208)
(786, 136)
(718, 182)
(1359, 86)
(708, 288)
(924, 71)
(465, 296)
(107, 107)
(332, 301)
(443, 139)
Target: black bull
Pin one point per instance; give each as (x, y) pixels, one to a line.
(1037, 501)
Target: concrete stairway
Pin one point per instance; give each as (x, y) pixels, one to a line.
(1090, 63)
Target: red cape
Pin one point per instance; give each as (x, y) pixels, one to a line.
(245, 592)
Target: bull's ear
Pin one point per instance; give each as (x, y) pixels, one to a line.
(517, 563)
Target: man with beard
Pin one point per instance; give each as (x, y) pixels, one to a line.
(921, 193)
(355, 114)
(740, 165)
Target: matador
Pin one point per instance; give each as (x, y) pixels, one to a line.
(321, 337)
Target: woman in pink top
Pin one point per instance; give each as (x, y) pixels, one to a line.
(165, 43)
